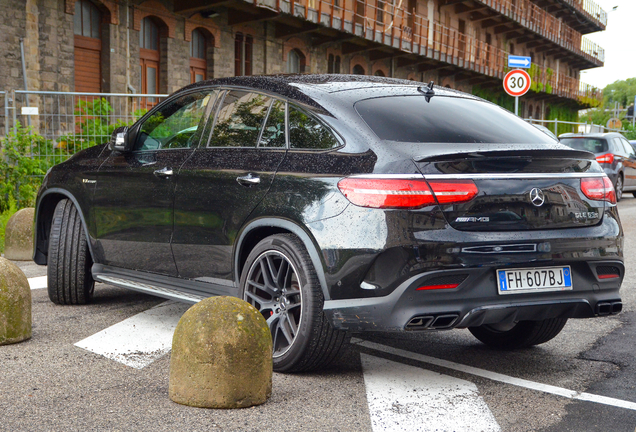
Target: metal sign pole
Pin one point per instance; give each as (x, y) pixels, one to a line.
(517, 105)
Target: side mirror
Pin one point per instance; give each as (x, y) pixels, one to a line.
(119, 139)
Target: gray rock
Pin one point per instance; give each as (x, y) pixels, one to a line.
(18, 236)
(221, 356)
(15, 304)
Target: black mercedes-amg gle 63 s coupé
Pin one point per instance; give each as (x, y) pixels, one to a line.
(337, 204)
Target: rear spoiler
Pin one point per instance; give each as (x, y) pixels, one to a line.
(504, 151)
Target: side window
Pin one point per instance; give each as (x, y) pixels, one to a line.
(239, 120)
(628, 148)
(619, 146)
(177, 124)
(274, 131)
(305, 132)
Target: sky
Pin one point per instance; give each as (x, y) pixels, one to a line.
(618, 41)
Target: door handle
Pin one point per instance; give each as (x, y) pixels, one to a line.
(164, 172)
(248, 180)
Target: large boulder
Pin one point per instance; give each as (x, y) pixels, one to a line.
(15, 304)
(221, 356)
(18, 236)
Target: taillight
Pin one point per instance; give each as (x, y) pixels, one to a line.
(599, 188)
(453, 191)
(386, 193)
(405, 193)
(607, 158)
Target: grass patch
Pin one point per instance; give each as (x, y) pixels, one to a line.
(4, 219)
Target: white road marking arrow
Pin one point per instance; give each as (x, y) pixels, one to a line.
(139, 340)
(37, 282)
(407, 398)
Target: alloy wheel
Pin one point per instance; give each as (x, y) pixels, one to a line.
(273, 288)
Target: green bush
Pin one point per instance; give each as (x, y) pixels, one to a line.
(94, 128)
(20, 172)
(4, 218)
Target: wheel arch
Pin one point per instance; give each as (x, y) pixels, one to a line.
(259, 229)
(44, 211)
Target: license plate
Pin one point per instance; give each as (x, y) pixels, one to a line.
(516, 281)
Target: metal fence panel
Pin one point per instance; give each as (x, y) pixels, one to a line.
(560, 126)
(69, 122)
(4, 113)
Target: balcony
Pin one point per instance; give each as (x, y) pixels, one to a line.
(584, 16)
(391, 32)
(526, 22)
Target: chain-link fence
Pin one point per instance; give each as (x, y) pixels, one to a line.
(69, 122)
(559, 127)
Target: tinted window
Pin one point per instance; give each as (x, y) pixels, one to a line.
(274, 131)
(240, 119)
(445, 120)
(594, 145)
(176, 124)
(305, 132)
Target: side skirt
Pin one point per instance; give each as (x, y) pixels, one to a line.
(183, 290)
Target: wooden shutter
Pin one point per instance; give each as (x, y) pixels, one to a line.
(88, 53)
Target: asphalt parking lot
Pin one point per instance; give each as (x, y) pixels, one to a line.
(583, 380)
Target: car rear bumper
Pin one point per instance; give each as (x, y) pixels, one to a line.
(476, 301)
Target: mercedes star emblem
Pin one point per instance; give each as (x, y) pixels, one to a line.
(537, 197)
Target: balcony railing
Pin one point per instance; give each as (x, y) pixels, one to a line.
(393, 26)
(590, 9)
(531, 16)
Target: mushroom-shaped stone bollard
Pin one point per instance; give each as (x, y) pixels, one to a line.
(15, 304)
(18, 236)
(221, 356)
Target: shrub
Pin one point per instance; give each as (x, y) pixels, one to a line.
(20, 172)
(4, 218)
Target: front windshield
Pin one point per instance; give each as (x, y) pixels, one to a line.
(445, 119)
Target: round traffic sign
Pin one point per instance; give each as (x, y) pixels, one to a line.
(517, 82)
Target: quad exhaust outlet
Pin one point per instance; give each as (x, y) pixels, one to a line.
(441, 321)
(609, 308)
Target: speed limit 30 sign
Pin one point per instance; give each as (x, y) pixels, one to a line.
(517, 82)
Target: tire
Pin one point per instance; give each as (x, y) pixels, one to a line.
(69, 276)
(619, 187)
(523, 334)
(280, 281)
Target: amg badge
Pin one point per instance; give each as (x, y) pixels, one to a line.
(472, 219)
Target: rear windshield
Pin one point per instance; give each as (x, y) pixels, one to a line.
(445, 120)
(594, 145)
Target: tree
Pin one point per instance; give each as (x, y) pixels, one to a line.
(619, 91)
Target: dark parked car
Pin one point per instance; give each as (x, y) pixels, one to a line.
(337, 204)
(613, 152)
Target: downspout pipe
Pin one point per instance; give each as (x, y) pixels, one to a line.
(24, 75)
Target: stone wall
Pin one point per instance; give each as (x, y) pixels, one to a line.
(46, 26)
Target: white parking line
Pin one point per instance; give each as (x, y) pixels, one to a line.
(37, 282)
(139, 340)
(546, 388)
(407, 398)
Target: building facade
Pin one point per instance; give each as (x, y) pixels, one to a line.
(158, 46)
